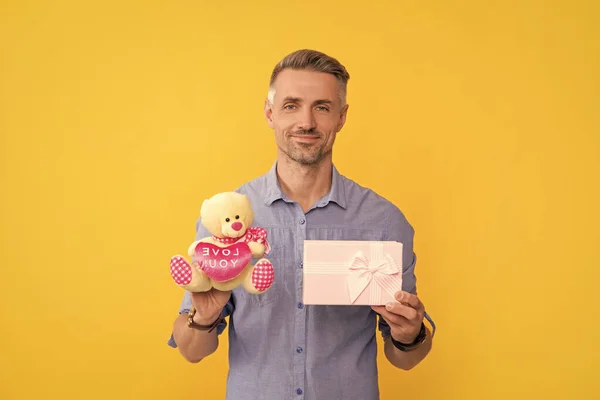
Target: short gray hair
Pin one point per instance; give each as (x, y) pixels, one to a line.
(311, 60)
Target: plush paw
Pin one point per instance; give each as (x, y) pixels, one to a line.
(257, 249)
(263, 275)
(181, 271)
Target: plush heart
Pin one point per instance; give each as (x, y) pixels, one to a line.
(222, 263)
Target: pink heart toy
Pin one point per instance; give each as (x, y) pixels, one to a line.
(222, 263)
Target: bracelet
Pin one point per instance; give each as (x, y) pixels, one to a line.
(416, 343)
(209, 328)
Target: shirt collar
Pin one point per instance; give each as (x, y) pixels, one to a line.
(337, 194)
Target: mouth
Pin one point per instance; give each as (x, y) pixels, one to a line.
(233, 233)
(305, 138)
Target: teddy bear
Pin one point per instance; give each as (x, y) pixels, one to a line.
(223, 260)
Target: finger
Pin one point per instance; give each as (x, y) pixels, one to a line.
(403, 310)
(394, 320)
(389, 317)
(378, 309)
(409, 299)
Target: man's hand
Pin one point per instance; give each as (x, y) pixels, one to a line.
(404, 316)
(194, 344)
(209, 304)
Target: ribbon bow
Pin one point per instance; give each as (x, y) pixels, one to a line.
(253, 234)
(256, 234)
(363, 271)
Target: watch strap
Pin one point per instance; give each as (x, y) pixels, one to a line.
(194, 325)
(416, 343)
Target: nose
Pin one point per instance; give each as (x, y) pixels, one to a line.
(237, 226)
(306, 120)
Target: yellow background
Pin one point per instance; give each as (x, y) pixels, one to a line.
(479, 121)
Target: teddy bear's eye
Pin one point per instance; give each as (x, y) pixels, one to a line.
(227, 220)
(237, 217)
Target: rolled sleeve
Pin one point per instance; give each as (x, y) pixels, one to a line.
(401, 231)
(184, 308)
(383, 327)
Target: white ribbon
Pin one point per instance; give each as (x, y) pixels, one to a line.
(364, 270)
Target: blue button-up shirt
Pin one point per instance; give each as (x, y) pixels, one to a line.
(281, 349)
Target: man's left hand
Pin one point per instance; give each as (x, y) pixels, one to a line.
(403, 316)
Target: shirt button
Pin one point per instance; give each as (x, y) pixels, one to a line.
(299, 349)
(302, 221)
(301, 265)
(299, 391)
(300, 305)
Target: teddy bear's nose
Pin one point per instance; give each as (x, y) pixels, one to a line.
(237, 226)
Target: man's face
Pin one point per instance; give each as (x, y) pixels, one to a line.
(306, 115)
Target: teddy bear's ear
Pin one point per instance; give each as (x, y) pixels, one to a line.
(203, 207)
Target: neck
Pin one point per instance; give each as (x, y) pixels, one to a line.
(304, 184)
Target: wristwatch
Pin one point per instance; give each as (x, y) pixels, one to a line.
(416, 343)
(209, 328)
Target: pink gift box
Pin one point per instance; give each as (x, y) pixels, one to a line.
(339, 272)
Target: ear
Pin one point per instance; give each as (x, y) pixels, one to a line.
(207, 214)
(203, 208)
(342, 119)
(269, 113)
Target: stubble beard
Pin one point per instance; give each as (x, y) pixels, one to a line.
(304, 154)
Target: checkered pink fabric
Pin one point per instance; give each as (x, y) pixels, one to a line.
(181, 271)
(263, 275)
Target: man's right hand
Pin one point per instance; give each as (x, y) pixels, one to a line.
(194, 344)
(209, 305)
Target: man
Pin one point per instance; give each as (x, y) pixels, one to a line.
(278, 347)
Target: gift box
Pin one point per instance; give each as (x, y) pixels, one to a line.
(351, 272)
